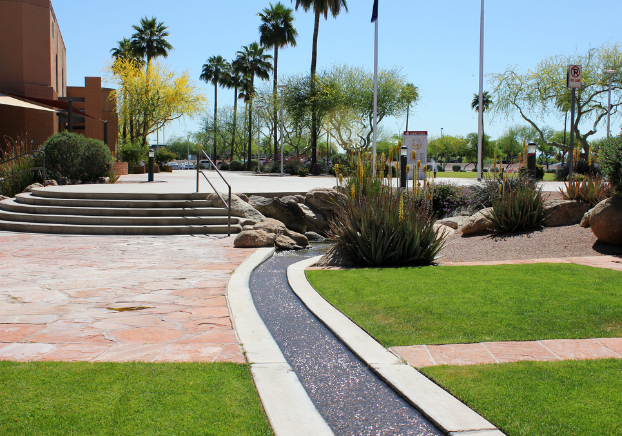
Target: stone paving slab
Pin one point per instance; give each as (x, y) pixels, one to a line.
(112, 298)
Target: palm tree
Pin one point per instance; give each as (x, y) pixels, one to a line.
(486, 104)
(277, 31)
(214, 71)
(149, 41)
(410, 93)
(319, 7)
(253, 62)
(124, 51)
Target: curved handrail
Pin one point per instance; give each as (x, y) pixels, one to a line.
(29, 169)
(228, 203)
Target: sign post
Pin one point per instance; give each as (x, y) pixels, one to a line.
(573, 81)
(417, 142)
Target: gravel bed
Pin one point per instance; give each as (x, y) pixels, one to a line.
(545, 242)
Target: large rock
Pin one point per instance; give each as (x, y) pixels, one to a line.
(585, 221)
(606, 221)
(316, 222)
(239, 207)
(325, 200)
(34, 185)
(284, 209)
(478, 223)
(254, 239)
(564, 212)
(443, 229)
(276, 227)
(454, 222)
(283, 242)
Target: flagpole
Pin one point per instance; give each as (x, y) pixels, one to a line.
(480, 115)
(375, 99)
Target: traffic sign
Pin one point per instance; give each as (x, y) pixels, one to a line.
(573, 76)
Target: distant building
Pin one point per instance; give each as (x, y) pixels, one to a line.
(33, 64)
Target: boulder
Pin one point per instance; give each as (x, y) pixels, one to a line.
(34, 185)
(254, 239)
(51, 183)
(606, 221)
(285, 210)
(564, 212)
(454, 222)
(314, 237)
(2, 197)
(283, 242)
(477, 223)
(585, 221)
(316, 222)
(243, 197)
(443, 229)
(324, 200)
(278, 228)
(239, 207)
(297, 198)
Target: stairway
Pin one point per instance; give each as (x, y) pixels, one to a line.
(107, 213)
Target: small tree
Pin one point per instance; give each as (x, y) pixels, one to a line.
(163, 156)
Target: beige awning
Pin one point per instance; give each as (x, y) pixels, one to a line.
(12, 101)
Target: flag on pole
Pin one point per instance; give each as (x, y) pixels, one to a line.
(374, 13)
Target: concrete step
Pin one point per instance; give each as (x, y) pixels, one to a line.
(107, 203)
(12, 205)
(102, 220)
(17, 226)
(67, 192)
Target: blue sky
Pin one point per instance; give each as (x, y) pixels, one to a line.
(436, 43)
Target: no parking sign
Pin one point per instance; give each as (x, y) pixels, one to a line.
(573, 76)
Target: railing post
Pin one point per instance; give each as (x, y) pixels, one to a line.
(44, 175)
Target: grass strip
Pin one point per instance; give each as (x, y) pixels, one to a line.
(62, 398)
(473, 175)
(580, 398)
(467, 304)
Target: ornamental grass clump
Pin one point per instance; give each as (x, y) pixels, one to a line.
(16, 183)
(381, 225)
(519, 206)
(590, 190)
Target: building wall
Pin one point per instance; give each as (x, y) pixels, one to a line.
(33, 64)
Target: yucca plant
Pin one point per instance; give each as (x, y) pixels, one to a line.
(15, 185)
(590, 190)
(518, 207)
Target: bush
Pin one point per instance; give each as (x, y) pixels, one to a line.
(483, 194)
(447, 197)
(75, 157)
(590, 190)
(133, 153)
(236, 165)
(523, 172)
(518, 207)
(456, 168)
(292, 167)
(17, 184)
(611, 162)
(581, 167)
(224, 166)
(162, 156)
(303, 171)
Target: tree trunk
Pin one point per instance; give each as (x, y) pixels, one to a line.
(215, 119)
(316, 29)
(274, 99)
(250, 123)
(235, 125)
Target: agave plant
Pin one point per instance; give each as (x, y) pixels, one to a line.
(518, 207)
(590, 190)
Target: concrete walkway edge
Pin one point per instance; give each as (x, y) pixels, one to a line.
(286, 403)
(444, 410)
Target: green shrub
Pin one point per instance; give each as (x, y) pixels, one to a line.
(236, 165)
(482, 194)
(611, 162)
(18, 183)
(162, 156)
(523, 172)
(292, 167)
(456, 168)
(75, 157)
(303, 171)
(447, 197)
(518, 207)
(224, 166)
(133, 153)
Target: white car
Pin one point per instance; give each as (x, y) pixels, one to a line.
(173, 165)
(186, 166)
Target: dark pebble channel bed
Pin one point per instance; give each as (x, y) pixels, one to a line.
(352, 400)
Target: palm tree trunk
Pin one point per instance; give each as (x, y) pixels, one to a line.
(215, 119)
(316, 29)
(235, 125)
(274, 99)
(250, 123)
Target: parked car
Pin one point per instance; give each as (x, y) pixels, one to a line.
(186, 166)
(173, 165)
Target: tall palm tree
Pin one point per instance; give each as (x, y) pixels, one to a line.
(410, 93)
(253, 62)
(277, 31)
(319, 7)
(215, 71)
(486, 104)
(149, 41)
(123, 50)
(233, 79)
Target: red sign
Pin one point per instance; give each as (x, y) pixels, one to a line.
(574, 76)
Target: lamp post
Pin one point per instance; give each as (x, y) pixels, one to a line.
(610, 73)
(531, 159)
(259, 108)
(403, 164)
(281, 90)
(151, 161)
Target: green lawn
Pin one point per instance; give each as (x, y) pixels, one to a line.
(466, 304)
(472, 175)
(580, 398)
(57, 398)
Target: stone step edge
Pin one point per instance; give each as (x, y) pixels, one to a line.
(69, 202)
(55, 192)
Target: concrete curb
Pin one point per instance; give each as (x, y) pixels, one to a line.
(285, 401)
(441, 408)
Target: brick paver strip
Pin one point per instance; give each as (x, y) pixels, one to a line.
(57, 290)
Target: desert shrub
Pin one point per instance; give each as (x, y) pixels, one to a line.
(18, 183)
(590, 190)
(236, 165)
(377, 225)
(292, 167)
(303, 171)
(580, 168)
(162, 156)
(133, 153)
(75, 157)
(482, 194)
(523, 172)
(456, 168)
(224, 166)
(611, 162)
(447, 197)
(518, 207)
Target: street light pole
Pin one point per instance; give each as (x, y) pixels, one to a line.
(281, 89)
(610, 73)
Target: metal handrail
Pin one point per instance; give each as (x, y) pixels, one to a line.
(228, 203)
(29, 169)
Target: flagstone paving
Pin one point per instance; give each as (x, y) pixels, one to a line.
(110, 298)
